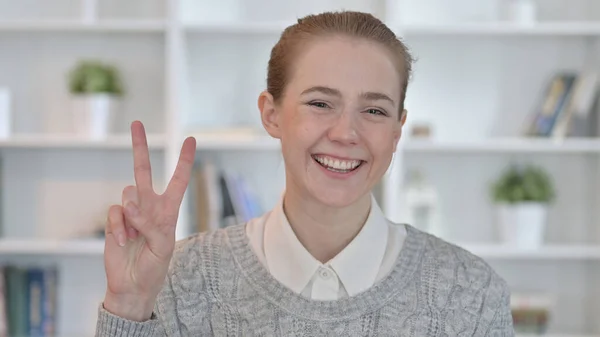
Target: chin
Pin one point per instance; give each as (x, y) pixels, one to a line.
(336, 197)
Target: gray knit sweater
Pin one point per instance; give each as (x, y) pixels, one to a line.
(216, 286)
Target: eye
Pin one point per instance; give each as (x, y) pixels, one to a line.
(374, 111)
(318, 104)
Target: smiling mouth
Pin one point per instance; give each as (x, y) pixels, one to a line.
(337, 165)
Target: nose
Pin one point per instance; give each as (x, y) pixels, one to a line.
(343, 129)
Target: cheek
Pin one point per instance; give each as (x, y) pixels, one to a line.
(382, 145)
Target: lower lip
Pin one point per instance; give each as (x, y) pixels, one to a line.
(338, 175)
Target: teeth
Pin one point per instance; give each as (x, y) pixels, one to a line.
(338, 165)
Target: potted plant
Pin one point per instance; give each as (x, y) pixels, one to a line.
(522, 197)
(95, 88)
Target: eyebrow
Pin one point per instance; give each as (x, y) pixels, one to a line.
(376, 96)
(369, 95)
(323, 90)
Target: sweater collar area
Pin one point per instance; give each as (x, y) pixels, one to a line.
(283, 248)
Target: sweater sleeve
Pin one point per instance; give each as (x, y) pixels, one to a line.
(110, 325)
(501, 324)
(162, 323)
(181, 304)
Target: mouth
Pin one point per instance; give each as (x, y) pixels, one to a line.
(337, 165)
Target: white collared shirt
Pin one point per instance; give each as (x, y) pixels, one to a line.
(368, 258)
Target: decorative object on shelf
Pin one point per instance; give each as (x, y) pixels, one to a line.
(5, 113)
(421, 203)
(522, 196)
(523, 12)
(421, 130)
(224, 11)
(531, 313)
(95, 87)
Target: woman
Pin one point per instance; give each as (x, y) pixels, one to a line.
(324, 260)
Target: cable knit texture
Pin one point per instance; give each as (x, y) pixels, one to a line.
(216, 286)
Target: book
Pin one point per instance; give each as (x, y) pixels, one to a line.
(569, 107)
(3, 315)
(556, 98)
(220, 198)
(30, 300)
(580, 116)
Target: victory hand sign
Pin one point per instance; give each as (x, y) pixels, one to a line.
(140, 233)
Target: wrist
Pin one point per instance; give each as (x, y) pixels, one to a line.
(130, 307)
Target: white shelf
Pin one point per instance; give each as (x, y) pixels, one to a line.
(79, 26)
(59, 141)
(237, 27)
(572, 145)
(87, 247)
(500, 28)
(549, 252)
(235, 140)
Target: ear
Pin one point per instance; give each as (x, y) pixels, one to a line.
(269, 114)
(398, 128)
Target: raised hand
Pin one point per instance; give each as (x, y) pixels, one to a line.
(140, 233)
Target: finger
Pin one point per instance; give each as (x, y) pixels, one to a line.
(115, 225)
(130, 194)
(139, 221)
(181, 177)
(141, 158)
(132, 233)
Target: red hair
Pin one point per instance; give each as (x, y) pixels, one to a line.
(353, 24)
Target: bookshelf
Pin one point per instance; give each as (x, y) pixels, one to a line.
(549, 29)
(104, 26)
(505, 145)
(61, 141)
(196, 68)
(35, 247)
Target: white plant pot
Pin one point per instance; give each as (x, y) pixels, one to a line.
(522, 225)
(93, 115)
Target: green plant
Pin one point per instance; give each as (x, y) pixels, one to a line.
(94, 77)
(526, 184)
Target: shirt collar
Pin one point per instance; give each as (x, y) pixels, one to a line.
(357, 265)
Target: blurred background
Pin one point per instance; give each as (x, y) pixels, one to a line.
(499, 153)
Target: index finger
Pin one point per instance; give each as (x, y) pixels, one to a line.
(141, 158)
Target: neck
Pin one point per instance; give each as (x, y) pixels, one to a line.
(323, 230)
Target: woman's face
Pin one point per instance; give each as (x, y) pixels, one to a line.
(338, 121)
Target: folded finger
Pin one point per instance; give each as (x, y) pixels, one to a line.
(115, 225)
(130, 194)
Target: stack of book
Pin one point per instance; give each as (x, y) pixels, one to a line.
(28, 299)
(568, 107)
(220, 198)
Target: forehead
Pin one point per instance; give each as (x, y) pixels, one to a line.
(348, 64)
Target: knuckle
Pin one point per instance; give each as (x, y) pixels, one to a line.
(129, 189)
(142, 167)
(138, 220)
(129, 194)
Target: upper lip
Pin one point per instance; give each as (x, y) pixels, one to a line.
(336, 157)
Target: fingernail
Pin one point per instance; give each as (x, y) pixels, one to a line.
(121, 239)
(131, 208)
